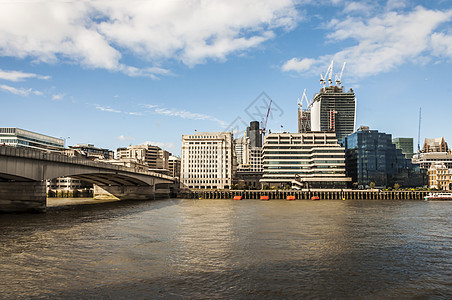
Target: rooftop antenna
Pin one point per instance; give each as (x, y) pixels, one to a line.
(419, 133)
(339, 78)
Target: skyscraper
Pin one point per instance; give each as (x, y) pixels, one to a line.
(254, 134)
(334, 111)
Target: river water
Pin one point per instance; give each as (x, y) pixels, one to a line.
(224, 249)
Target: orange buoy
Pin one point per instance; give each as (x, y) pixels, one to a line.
(315, 198)
(290, 198)
(265, 198)
(237, 197)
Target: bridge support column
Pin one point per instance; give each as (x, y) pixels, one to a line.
(23, 196)
(124, 192)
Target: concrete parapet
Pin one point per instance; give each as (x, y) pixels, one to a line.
(22, 196)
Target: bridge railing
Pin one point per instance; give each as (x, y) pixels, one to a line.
(61, 158)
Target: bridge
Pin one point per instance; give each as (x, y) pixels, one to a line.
(24, 171)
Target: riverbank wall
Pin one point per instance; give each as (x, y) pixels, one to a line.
(306, 195)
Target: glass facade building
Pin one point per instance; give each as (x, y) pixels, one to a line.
(372, 157)
(304, 160)
(17, 137)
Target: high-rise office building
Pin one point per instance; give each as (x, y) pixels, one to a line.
(334, 110)
(207, 160)
(406, 145)
(372, 157)
(254, 133)
(304, 160)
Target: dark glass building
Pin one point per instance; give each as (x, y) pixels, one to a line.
(370, 156)
(254, 133)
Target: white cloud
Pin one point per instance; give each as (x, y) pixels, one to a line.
(107, 109)
(58, 96)
(298, 65)
(359, 7)
(97, 34)
(125, 138)
(187, 115)
(20, 92)
(20, 76)
(163, 145)
(383, 42)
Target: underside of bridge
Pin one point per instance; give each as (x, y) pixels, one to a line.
(25, 194)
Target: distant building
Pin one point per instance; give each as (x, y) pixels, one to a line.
(207, 160)
(372, 157)
(435, 145)
(304, 160)
(304, 120)
(404, 144)
(152, 156)
(425, 160)
(241, 150)
(174, 164)
(439, 177)
(254, 133)
(334, 111)
(17, 137)
(90, 151)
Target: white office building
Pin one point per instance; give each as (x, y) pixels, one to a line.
(207, 160)
(304, 160)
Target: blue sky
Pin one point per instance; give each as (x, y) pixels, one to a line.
(119, 73)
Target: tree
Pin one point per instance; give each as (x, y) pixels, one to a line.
(396, 186)
(372, 185)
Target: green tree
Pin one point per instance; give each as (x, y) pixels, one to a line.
(396, 186)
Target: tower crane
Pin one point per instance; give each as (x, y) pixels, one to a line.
(339, 78)
(327, 77)
(264, 124)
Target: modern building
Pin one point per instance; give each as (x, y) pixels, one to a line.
(334, 110)
(207, 160)
(304, 160)
(241, 150)
(174, 165)
(17, 137)
(152, 156)
(254, 133)
(404, 144)
(372, 157)
(439, 177)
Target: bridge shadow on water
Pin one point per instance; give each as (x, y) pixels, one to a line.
(70, 215)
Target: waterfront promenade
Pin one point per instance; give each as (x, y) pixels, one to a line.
(307, 195)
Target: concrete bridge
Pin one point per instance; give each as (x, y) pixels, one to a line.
(23, 175)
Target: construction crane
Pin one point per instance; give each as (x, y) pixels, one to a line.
(339, 78)
(264, 124)
(419, 133)
(327, 77)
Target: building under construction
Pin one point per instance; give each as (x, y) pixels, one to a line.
(334, 111)
(331, 110)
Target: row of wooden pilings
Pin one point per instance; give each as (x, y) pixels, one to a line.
(307, 195)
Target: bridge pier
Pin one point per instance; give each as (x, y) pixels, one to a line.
(124, 192)
(23, 196)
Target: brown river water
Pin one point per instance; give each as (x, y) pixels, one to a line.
(224, 249)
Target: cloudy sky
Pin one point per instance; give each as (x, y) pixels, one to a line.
(116, 73)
